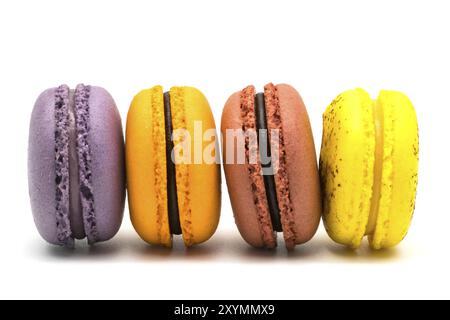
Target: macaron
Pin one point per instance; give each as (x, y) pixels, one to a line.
(76, 169)
(369, 167)
(173, 168)
(270, 166)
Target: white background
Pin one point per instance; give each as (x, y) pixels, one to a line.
(319, 47)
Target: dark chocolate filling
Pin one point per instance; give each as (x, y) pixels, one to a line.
(266, 163)
(172, 198)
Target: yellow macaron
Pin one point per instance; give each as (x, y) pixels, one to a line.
(369, 167)
(171, 188)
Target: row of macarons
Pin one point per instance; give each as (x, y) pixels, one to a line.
(79, 166)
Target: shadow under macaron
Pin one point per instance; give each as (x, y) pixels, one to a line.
(363, 254)
(101, 251)
(224, 246)
(239, 250)
(210, 250)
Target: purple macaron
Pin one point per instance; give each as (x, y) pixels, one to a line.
(76, 172)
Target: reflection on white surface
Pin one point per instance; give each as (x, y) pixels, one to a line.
(224, 246)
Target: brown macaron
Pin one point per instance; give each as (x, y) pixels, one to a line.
(270, 166)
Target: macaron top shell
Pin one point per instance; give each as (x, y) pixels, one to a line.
(146, 167)
(368, 167)
(41, 165)
(346, 166)
(400, 170)
(256, 230)
(198, 183)
(302, 168)
(108, 162)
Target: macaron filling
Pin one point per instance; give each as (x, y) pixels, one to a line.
(266, 162)
(172, 197)
(378, 167)
(75, 214)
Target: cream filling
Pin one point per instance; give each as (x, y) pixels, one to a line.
(75, 214)
(377, 168)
